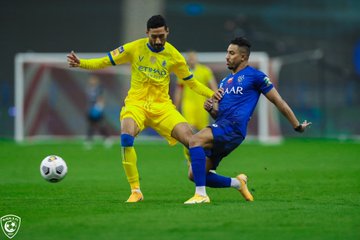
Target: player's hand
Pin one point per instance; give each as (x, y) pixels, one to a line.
(73, 60)
(208, 104)
(303, 126)
(218, 94)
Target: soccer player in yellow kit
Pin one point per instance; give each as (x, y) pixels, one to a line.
(190, 103)
(148, 103)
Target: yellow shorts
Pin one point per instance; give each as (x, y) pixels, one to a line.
(196, 115)
(163, 122)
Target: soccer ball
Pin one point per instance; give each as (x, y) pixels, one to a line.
(53, 168)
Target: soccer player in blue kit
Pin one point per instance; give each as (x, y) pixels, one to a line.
(241, 91)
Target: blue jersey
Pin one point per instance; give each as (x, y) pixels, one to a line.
(241, 94)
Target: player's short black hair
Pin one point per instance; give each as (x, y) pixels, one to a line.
(242, 42)
(156, 21)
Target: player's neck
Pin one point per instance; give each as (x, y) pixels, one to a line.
(240, 67)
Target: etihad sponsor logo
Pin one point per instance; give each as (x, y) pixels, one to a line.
(152, 70)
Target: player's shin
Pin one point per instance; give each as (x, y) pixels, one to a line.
(129, 160)
(198, 165)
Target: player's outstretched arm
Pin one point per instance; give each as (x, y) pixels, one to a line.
(91, 64)
(199, 88)
(284, 108)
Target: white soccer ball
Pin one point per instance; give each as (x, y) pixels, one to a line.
(53, 168)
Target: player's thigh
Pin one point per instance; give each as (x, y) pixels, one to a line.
(202, 138)
(132, 120)
(129, 126)
(182, 132)
(226, 139)
(165, 123)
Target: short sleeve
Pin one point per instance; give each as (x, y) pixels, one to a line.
(263, 82)
(180, 68)
(121, 54)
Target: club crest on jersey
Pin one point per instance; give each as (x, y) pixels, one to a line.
(153, 59)
(164, 63)
(230, 80)
(240, 78)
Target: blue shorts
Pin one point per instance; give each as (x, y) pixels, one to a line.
(227, 137)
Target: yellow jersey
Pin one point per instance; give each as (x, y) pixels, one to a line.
(150, 73)
(150, 69)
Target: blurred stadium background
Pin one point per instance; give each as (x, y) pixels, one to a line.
(316, 44)
(305, 188)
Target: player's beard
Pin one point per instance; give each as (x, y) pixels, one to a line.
(232, 67)
(157, 46)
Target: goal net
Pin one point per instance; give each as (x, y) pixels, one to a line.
(51, 99)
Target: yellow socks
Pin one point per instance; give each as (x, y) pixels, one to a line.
(129, 160)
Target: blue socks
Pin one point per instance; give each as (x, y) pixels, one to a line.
(198, 165)
(201, 178)
(217, 181)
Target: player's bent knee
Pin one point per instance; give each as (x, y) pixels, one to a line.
(195, 141)
(127, 140)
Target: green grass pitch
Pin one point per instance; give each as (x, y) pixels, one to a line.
(303, 189)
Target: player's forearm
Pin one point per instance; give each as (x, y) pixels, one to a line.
(95, 63)
(199, 88)
(282, 106)
(212, 107)
(213, 113)
(288, 113)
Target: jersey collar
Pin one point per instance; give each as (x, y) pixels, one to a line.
(154, 50)
(233, 74)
